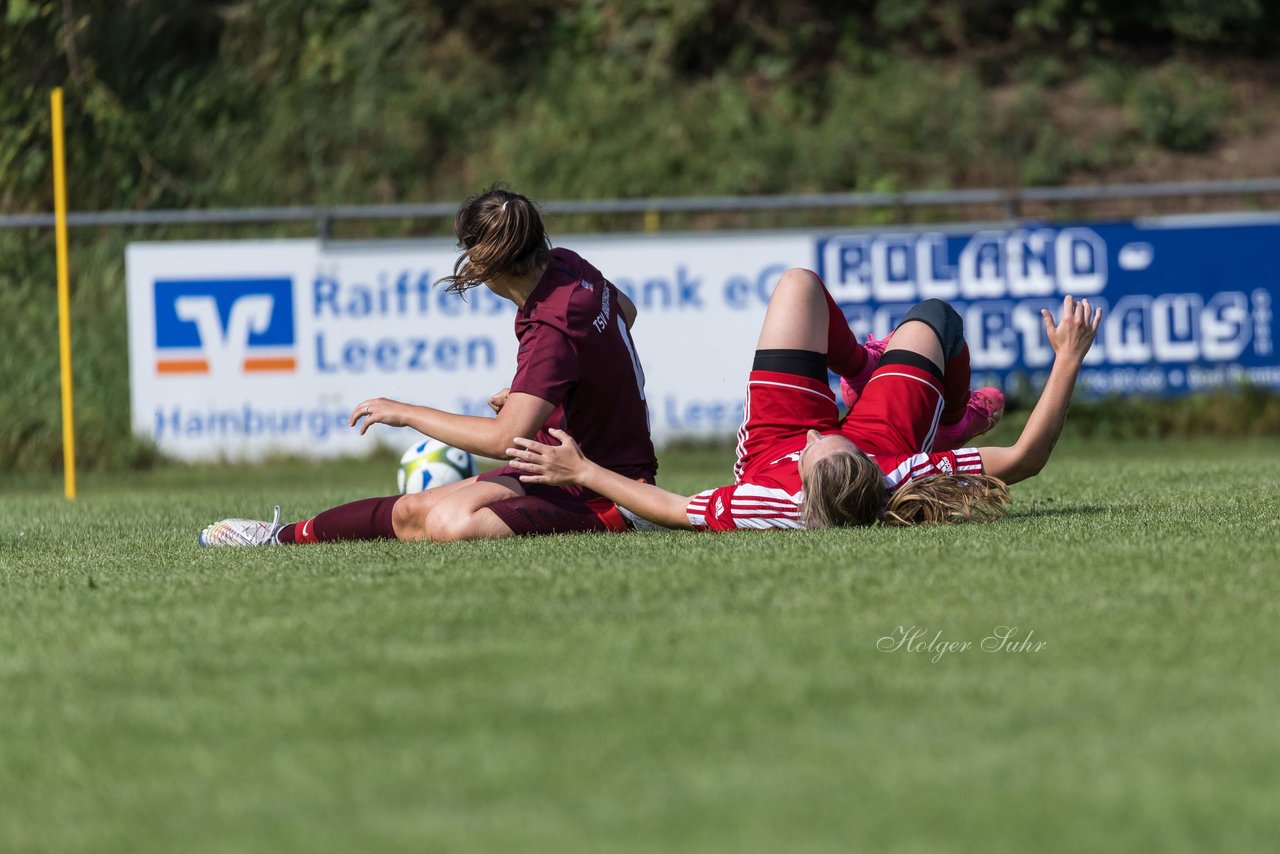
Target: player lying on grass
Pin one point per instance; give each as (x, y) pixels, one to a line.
(577, 369)
(801, 466)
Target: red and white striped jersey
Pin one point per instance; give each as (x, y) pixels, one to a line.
(899, 469)
(773, 495)
(769, 498)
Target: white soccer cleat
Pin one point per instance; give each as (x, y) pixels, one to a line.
(242, 532)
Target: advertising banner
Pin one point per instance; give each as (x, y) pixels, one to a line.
(240, 350)
(1187, 302)
(244, 349)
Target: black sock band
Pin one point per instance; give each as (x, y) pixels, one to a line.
(910, 358)
(802, 363)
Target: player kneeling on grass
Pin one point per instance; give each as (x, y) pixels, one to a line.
(801, 466)
(576, 369)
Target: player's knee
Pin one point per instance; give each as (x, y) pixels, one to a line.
(799, 281)
(945, 322)
(449, 522)
(409, 516)
(798, 290)
(937, 309)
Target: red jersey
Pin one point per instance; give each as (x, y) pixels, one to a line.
(899, 469)
(780, 410)
(576, 353)
(773, 497)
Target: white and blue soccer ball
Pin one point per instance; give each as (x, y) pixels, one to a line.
(432, 463)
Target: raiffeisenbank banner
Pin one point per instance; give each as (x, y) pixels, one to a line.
(248, 348)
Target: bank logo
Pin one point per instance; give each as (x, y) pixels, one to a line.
(224, 326)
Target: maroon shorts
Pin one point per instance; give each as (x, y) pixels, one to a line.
(555, 509)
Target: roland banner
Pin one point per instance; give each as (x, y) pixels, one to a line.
(248, 348)
(1188, 304)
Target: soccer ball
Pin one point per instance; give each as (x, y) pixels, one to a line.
(433, 463)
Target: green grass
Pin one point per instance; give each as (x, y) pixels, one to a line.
(669, 692)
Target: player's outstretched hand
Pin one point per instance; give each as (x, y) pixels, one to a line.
(1073, 335)
(379, 410)
(553, 464)
(499, 400)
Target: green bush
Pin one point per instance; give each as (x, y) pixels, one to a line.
(1110, 81)
(1044, 70)
(30, 397)
(1236, 413)
(1177, 109)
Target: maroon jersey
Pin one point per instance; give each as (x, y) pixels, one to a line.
(576, 352)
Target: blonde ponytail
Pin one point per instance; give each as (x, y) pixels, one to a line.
(945, 500)
(843, 490)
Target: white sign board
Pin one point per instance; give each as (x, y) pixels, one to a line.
(247, 348)
(243, 349)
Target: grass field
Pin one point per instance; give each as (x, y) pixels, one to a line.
(668, 692)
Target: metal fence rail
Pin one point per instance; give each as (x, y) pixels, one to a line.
(324, 216)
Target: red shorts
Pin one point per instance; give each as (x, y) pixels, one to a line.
(781, 409)
(555, 509)
(897, 412)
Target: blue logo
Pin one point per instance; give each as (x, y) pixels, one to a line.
(224, 326)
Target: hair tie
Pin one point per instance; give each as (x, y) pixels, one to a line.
(504, 205)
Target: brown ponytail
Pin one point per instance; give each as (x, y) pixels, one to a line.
(945, 500)
(500, 233)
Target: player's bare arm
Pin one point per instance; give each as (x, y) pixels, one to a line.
(520, 415)
(565, 464)
(1071, 339)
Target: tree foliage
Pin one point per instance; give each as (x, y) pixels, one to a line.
(210, 102)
